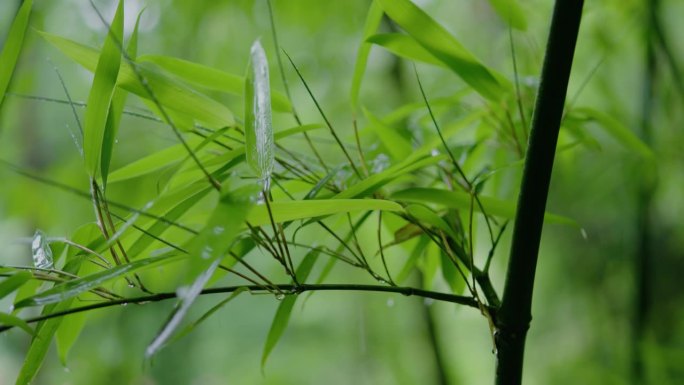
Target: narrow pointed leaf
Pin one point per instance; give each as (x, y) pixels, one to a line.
(511, 13)
(211, 78)
(441, 44)
(171, 93)
(207, 250)
(282, 317)
(286, 211)
(372, 23)
(461, 200)
(68, 333)
(13, 282)
(100, 97)
(75, 287)
(405, 46)
(259, 146)
(12, 46)
(394, 143)
(10, 320)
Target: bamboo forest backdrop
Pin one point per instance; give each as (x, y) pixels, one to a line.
(306, 191)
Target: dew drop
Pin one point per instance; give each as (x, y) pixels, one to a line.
(207, 252)
(40, 249)
(434, 152)
(382, 281)
(131, 285)
(218, 230)
(390, 302)
(280, 296)
(67, 370)
(380, 163)
(584, 234)
(428, 301)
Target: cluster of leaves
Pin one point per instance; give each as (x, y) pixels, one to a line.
(420, 191)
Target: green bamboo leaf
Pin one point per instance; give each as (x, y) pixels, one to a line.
(286, 211)
(616, 129)
(259, 145)
(412, 259)
(12, 47)
(68, 333)
(441, 44)
(70, 289)
(207, 250)
(407, 47)
(431, 218)
(282, 316)
(376, 181)
(372, 23)
(14, 282)
(511, 13)
(100, 97)
(396, 145)
(116, 110)
(211, 78)
(461, 200)
(451, 274)
(169, 92)
(10, 320)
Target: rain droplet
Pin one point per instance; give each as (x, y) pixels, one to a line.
(434, 152)
(131, 285)
(218, 230)
(67, 370)
(428, 301)
(584, 234)
(382, 281)
(124, 304)
(390, 302)
(380, 163)
(280, 296)
(207, 252)
(40, 249)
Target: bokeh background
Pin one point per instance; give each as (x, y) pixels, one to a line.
(590, 291)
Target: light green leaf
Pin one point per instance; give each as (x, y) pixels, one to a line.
(68, 333)
(429, 217)
(10, 320)
(286, 211)
(441, 44)
(13, 282)
(211, 78)
(100, 97)
(282, 317)
(511, 13)
(616, 129)
(398, 147)
(207, 249)
(12, 47)
(406, 47)
(412, 259)
(72, 288)
(461, 200)
(259, 145)
(168, 91)
(372, 23)
(451, 274)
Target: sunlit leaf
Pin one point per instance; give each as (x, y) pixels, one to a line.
(12, 47)
(406, 47)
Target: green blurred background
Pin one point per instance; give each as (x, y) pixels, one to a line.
(585, 301)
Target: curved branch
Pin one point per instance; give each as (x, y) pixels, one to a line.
(287, 289)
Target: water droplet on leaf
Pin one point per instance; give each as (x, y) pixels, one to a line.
(40, 249)
(280, 296)
(390, 302)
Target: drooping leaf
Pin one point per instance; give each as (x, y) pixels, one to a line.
(372, 22)
(451, 275)
(12, 47)
(10, 320)
(285, 211)
(445, 47)
(72, 288)
(13, 282)
(211, 78)
(169, 92)
(461, 200)
(207, 250)
(511, 13)
(616, 129)
(429, 217)
(100, 97)
(259, 146)
(412, 259)
(282, 316)
(406, 47)
(68, 333)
